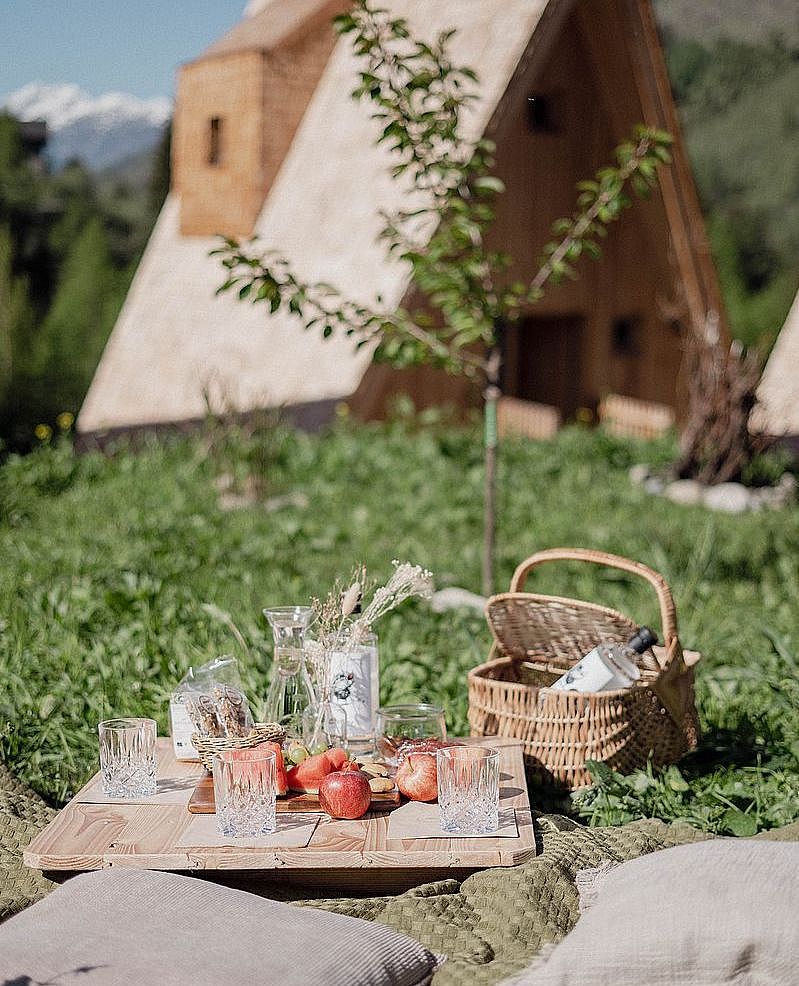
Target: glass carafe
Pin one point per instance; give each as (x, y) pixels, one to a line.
(290, 690)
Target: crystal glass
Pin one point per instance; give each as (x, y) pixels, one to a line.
(324, 725)
(245, 791)
(468, 789)
(394, 724)
(127, 757)
(290, 689)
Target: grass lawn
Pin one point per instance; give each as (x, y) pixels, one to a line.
(120, 572)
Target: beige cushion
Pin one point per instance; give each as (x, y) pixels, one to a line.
(725, 911)
(138, 927)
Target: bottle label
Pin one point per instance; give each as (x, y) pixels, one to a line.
(351, 676)
(602, 669)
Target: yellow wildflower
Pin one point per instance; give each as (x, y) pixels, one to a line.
(65, 420)
(43, 432)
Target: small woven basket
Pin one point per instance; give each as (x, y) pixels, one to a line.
(261, 732)
(538, 638)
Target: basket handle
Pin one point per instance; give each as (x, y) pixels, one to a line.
(668, 612)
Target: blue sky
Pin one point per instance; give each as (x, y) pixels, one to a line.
(131, 46)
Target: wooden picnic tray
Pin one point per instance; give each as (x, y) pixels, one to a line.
(341, 856)
(202, 800)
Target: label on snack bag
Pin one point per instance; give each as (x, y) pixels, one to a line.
(182, 729)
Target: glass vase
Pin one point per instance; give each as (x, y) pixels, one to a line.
(324, 726)
(290, 690)
(354, 687)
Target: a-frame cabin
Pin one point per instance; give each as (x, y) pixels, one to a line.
(267, 141)
(777, 414)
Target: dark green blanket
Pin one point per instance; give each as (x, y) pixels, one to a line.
(489, 925)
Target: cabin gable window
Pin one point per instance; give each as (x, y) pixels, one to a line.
(540, 114)
(626, 336)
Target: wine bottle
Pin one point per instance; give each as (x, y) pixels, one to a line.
(608, 667)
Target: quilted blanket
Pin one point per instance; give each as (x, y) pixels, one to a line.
(489, 925)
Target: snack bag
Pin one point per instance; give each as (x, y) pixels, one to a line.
(209, 702)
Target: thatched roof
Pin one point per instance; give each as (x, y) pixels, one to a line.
(174, 338)
(778, 414)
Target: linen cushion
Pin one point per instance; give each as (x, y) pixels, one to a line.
(716, 912)
(116, 927)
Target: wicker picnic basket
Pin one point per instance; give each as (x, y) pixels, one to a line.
(538, 638)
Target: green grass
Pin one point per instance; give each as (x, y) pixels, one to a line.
(109, 564)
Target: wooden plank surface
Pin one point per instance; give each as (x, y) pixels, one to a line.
(202, 800)
(87, 836)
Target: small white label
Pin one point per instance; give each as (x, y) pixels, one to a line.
(182, 729)
(353, 687)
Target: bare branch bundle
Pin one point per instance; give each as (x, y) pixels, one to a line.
(716, 443)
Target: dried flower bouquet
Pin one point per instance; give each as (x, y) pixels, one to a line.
(341, 620)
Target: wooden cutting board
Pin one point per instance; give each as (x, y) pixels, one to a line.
(202, 800)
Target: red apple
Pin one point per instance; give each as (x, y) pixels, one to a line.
(345, 794)
(417, 777)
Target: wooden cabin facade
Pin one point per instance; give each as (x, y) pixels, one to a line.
(267, 141)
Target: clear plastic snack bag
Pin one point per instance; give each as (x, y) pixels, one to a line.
(208, 701)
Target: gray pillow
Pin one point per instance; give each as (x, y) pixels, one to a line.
(711, 913)
(117, 927)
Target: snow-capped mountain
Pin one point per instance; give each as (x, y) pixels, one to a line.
(100, 130)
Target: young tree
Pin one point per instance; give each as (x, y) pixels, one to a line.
(16, 318)
(418, 96)
(72, 335)
(160, 176)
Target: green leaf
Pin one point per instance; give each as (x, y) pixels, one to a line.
(344, 23)
(739, 823)
(600, 772)
(592, 249)
(641, 781)
(489, 183)
(265, 290)
(675, 780)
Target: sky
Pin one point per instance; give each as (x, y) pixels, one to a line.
(130, 46)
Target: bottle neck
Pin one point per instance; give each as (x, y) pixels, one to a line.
(642, 640)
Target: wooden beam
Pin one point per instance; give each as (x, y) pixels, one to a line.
(692, 250)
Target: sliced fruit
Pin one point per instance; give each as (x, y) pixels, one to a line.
(306, 776)
(336, 756)
(281, 778)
